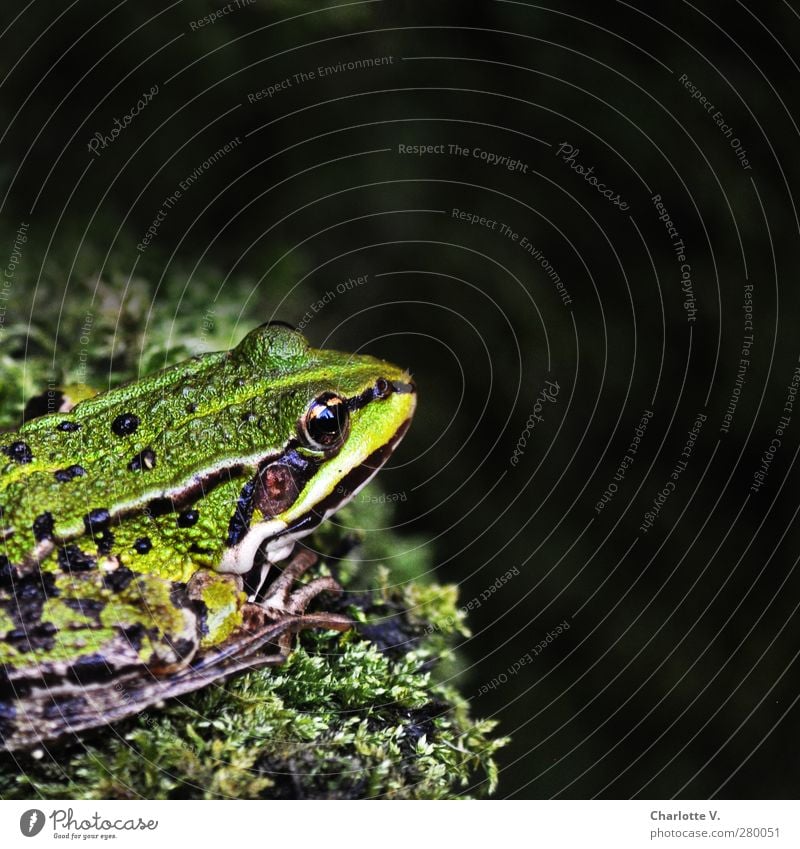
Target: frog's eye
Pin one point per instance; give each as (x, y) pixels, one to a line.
(326, 422)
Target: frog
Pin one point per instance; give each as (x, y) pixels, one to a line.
(151, 535)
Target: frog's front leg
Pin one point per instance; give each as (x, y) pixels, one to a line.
(279, 610)
(281, 605)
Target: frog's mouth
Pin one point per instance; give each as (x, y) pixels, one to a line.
(355, 480)
(272, 540)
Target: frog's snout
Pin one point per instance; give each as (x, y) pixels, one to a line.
(404, 387)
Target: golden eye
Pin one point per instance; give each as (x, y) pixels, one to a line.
(326, 422)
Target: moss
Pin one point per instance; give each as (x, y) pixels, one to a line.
(353, 715)
(347, 716)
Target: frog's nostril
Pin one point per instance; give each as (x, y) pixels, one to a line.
(404, 388)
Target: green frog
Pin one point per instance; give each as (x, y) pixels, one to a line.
(140, 528)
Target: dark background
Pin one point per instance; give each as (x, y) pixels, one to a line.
(678, 674)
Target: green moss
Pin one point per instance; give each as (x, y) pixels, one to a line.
(340, 719)
(358, 715)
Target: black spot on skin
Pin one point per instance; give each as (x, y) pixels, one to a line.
(43, 527)
(178, 596)
(65, 475)
(135, 635)
(91, 607)
(97, 519)
(119, 579)
(29, 594)
(144, 461)
(249, 416)
(33, 637)
(191, 408)
(36, 587)
(89, 669)
(72, 559)
(125, 424)
(63, 708)
(182, 647)
(188, 518)
(105, 542)
(142, 545)
(242, 515)
(6, 571)
(19, 452)
(68, 427)
(160, 507)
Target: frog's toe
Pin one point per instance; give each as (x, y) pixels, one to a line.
(279, 590)
(300, 598)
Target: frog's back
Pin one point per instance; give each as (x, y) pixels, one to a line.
(163, 440)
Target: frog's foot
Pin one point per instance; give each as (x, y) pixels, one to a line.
(285, 608)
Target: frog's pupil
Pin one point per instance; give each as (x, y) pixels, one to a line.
(327, 421)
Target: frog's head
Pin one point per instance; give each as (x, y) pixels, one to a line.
(341, 416)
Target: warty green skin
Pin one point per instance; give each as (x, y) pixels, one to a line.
(121, 583)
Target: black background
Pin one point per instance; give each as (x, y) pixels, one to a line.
(678, 673)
